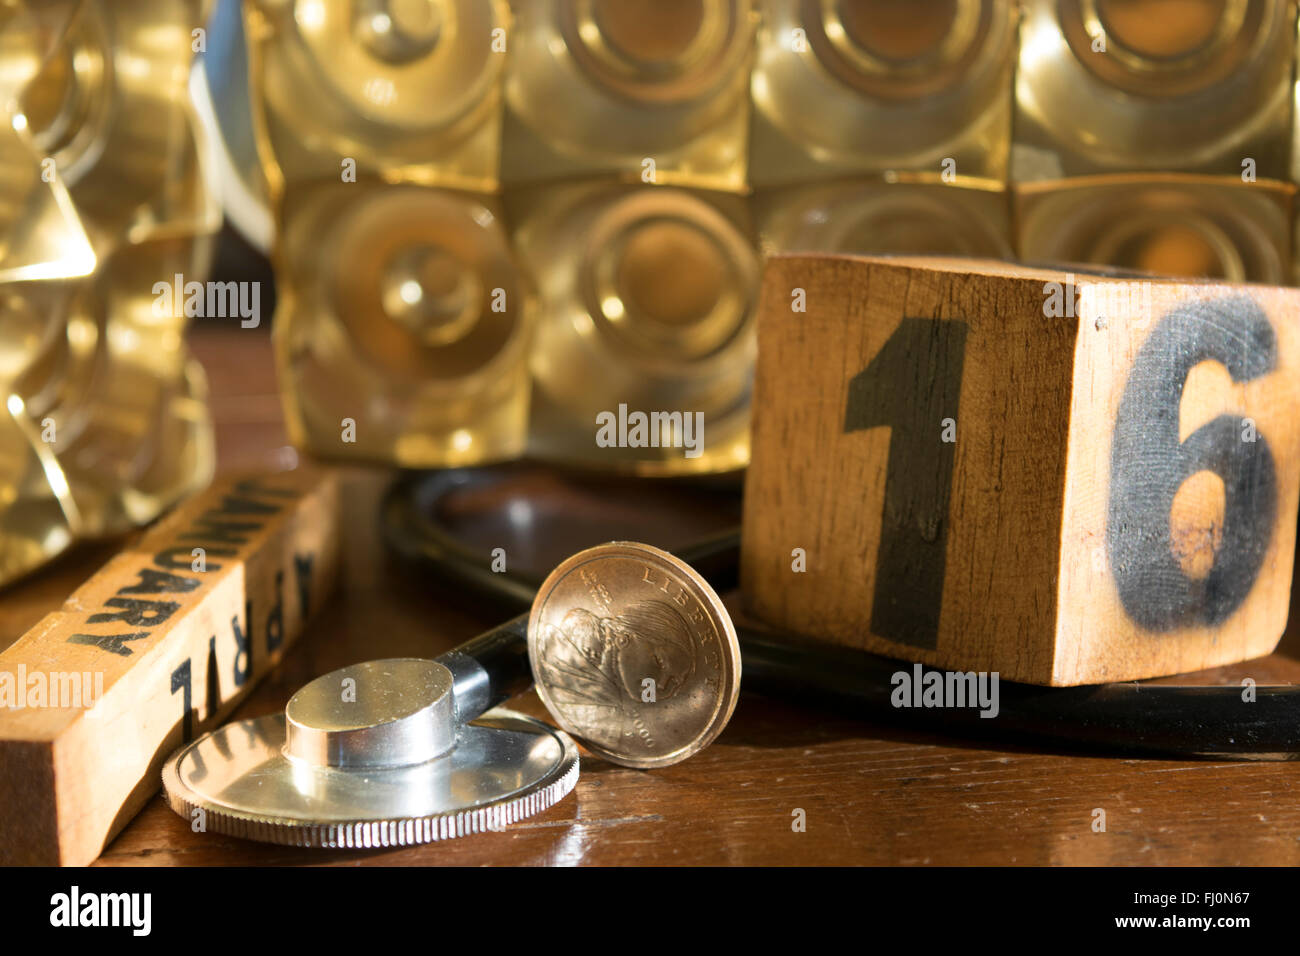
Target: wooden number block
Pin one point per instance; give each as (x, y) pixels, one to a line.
(157, 647)
(1063, 478)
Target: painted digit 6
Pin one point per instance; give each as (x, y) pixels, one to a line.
(1148, 464)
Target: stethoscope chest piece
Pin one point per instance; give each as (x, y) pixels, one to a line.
(371, 755)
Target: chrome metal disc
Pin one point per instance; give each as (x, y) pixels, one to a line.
(322, 777)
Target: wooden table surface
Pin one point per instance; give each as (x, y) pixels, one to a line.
(871, 793)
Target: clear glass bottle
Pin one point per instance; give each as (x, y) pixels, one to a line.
(1172, 225)
(874, 217)
(110, 107)
(648, 89)
(402, 326)
(1123, 85)
(646, 301)
(406, 89)
(844, 87)
(116, 395)
(105, 418)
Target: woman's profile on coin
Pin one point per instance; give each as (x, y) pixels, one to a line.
(634, 653)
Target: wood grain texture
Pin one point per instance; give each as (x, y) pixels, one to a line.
(157, 646)
(982, 480)
(874, 794)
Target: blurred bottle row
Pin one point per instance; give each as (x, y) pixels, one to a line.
(732, 94)
(104, 421)
(498, 220)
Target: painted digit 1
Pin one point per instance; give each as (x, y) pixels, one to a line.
(182, 681)
(913, 383)
(1148, 464)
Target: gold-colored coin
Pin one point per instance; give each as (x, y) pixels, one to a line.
(633, 653)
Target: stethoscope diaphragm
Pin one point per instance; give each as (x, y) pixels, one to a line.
(371, 755)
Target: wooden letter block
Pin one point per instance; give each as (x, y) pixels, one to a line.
(157, 647)
(1065, 479)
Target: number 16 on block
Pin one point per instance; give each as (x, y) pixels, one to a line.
(1064, 478)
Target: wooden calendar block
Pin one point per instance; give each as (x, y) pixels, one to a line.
(1063, 478)
(158, 646)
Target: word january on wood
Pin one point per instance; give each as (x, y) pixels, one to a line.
(176, 641)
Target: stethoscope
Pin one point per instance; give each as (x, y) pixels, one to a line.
(1224, 721)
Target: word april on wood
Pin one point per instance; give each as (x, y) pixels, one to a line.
(175, 630)
(1065, 479)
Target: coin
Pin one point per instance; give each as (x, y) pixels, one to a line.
(634, 653)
